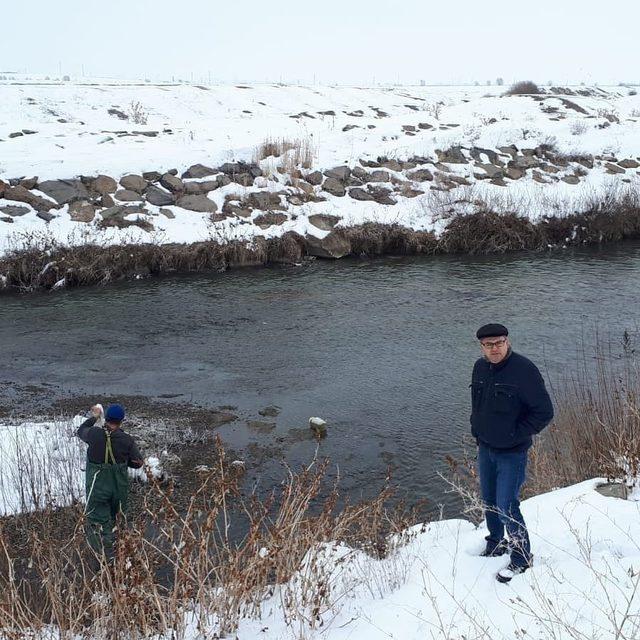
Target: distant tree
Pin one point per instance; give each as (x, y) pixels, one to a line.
(66, 79)
(524, 87)
(488, 83)
(499, 81)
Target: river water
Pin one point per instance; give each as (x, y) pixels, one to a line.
(381, 349)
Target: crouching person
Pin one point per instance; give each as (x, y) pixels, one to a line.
(111, 451)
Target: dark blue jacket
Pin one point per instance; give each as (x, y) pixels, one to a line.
(509, 403)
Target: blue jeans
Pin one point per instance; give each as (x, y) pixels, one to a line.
(501, 477)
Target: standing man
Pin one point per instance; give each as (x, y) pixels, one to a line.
(510, 404)
(111, 451)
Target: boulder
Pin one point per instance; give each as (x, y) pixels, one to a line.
(159, 197)
(378, 176)
(200, 188)
(538, 177)
(264, 200)
(15, 211)
(324, 221)
(334, 187)
(334, 245)
(199, 171)
(3, 186)
(610, 167)
(201, 204)
(170, 182)
(491, 170)
(28, 183)
(420, 175)
(629, 163)
(453, 155)
(107, 201)
(514, 173)
(10, 221)
(20, 194)
(133, 182)
(360, 194)
(392, 165)
(523, 162)
(549, 168)
(266, 220)
(338, 173)
(571, 179)
(511, 150)
(270, 412)
(119, 211)
(314, 178)
(359, 173)
(167, 213)
(152, 176)
(64, 191)
(492, 156)
(104, 185)
(82, 211)
(46, 216)
(236, 169)
(126, 195)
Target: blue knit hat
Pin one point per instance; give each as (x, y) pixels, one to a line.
(114, 413)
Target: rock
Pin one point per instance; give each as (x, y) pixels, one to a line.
(453, 155)
(523, 162)
(305, 187)
(46, 216)
(382, 196)
(201, 204)
(218, 217)
(511, 150)
(16, 134)
(347, 127)
(492, 156)
(408, 127)
(491, 170)
(338, 173)
(324, 221)
(167, 213)
(571, 179)
(104, 185)
(392, 165)
(549, 168)
(133, 182)
(424, 125)
(318, 426)
(514, 173)
(334, 187)
(235, 169)
(629, 164)
(64, 191)
(260, 426)
(334, 245)
(585, 161)
(3, 186)
(82, 211)
(126, 195)
(408, 192)
(9, 220)
(107, 201)
(378, 176)
(269, 219)
(152, 176)
(359, 172)
(420, 175)
(538, 177)
(314, 178)
(173, 184)
(14, 211)
(613, 168)
(613, 490)
(360, 194)
(20, 194)
(159, 197)
(200, 188)
(199, 171)
(270, 412)
(28, 183)
(120, 211)
(498, 182)
(264, 200)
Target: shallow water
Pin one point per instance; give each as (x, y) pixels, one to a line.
(381, 349)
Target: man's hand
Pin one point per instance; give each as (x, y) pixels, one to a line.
(97, 411)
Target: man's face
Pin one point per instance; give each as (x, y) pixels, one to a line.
(495, 348)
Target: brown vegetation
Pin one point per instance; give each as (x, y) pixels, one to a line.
(524, 87)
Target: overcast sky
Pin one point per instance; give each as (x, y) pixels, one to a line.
(342, 41)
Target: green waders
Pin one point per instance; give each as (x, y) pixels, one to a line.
(107, 487)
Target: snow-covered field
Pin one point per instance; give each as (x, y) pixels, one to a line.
(56, 130)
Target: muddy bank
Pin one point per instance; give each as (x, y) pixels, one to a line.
(482, 233)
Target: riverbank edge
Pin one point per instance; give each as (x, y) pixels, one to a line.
(54, 267)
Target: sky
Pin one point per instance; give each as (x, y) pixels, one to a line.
(334, 41)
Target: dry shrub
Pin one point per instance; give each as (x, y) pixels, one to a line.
(294, 153)
(173, 564)
(489, 232)
(524, 87)
(375, 239)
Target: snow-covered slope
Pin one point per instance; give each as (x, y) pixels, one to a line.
(58, 130)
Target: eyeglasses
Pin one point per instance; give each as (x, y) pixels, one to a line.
(495, 344)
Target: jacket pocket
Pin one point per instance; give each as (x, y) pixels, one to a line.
(477, 389)
(505, 398)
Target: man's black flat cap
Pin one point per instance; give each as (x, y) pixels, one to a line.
(491, 331)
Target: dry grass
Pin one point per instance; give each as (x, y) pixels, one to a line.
(173, 566)
(293, 154)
